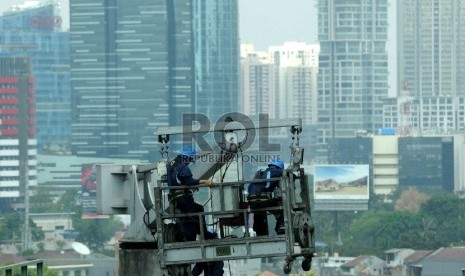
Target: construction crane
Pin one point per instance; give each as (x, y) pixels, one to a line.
(149, 246)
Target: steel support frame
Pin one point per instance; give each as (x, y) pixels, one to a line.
(173, 253)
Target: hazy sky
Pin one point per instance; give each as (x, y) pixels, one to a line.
(271, 22)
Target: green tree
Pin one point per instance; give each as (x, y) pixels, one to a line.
(42, 201)
(10, 226)
(95, 233)
(36, 233)
(378, 231)
(446, 213)
(69, 201)
(421, 238)
(92, 232)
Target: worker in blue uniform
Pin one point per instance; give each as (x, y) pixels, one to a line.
(179, 174)
(260, 195)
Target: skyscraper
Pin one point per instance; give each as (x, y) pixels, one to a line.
(258, 86)
(140, 65)
(297, 68)
(36, 30)
(217, 57)
(132, 71)
(353, 67)
(280, 82)
(431, 54)
(18, 161)
(431, 47)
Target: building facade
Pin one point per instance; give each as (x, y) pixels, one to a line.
(425, 115)
(297, 68)
(385, 164)
(36, 30)
(131, 72)
(431, 51)
(281, 82)
(431, 47)
(258, 83)
(426, 162)
(139, 66)
(18, 163)
(431, 162)
(217, 57)
(353, 67)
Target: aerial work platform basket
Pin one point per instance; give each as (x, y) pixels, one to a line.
(152, 244)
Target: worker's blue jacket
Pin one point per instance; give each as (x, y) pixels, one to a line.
(179, 174)
(256, 188)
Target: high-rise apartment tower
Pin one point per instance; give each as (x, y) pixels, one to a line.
(353, 67)
(431, 47)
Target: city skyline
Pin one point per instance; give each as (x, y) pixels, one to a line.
(296, 22)
(125, 70)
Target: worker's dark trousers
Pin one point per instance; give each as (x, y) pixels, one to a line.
(208, 269)
(260, 220)
(190, 226)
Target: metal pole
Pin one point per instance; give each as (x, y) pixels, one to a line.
(40, 269)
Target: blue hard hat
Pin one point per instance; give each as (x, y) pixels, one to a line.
(188, 151)
(277, 163)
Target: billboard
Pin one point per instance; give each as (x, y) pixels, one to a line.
(89, 192)
(341, 182)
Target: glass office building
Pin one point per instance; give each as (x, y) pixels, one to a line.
(426, 162)
(131, 72)
(140, 65)
(217, 57)
(353, 67)
(352, 151)
(36, 30)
